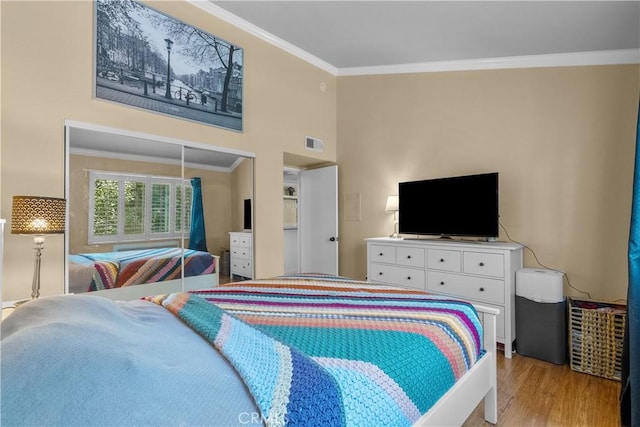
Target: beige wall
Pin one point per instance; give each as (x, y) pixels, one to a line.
(216, 198)
(562, 140)
(46, 72)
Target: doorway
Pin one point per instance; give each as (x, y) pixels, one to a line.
(310, 209)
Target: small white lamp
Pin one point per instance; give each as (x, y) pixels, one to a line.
(37, 216)
(392, 206)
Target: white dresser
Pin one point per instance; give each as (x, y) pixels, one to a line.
(477, 272)
(241, 254)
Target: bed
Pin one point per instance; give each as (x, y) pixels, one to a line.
(294, 350)
(135, 273)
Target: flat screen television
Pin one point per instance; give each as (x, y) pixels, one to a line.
(247, 214)
(454, 206)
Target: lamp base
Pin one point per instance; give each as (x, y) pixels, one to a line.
(395, 234)
(35, 286)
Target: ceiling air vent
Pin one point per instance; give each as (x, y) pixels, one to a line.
(313, 144)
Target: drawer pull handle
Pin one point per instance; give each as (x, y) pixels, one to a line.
(408, 277)
(441, 259)
(380, 274)
(481, 289)
(481, 264)
(441, 283)
(408, 256)
(381, 254)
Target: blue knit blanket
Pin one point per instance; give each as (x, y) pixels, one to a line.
(335, 353)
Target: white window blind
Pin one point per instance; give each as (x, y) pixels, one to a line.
(134, 207)
(184, 196)
(126, 207)
(160, 208)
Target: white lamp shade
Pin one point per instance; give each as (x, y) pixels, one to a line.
(392, 204)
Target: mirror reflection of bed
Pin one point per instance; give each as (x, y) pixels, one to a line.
(150, 215)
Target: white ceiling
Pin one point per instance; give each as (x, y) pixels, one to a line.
(356, 34)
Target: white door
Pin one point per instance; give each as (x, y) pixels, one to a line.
(318, 220)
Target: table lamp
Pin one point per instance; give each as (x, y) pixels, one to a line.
(392, 206)
(37, 216)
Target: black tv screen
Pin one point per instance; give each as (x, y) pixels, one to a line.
(247, 214)
(455, 206)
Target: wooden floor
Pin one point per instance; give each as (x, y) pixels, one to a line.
(536, 393)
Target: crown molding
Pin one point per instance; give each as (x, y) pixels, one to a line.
(570, 59)
(258, 32)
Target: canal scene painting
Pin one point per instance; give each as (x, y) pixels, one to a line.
(149, 60)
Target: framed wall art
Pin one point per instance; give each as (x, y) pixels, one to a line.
(148, 60)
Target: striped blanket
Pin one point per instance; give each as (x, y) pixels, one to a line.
(127, 268)
(330, 351)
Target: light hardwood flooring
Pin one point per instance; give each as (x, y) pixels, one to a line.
(532, 392)
(223, 279)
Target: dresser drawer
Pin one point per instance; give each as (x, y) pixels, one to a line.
(395, 275)
(380, 253)
(239, 240)
(484, 264)
(241, 267)
(411, 257)
(240, 252)
(446, 260)
(465, 287)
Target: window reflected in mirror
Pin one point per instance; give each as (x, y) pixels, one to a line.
(149, 217)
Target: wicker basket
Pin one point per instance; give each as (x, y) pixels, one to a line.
(596, 332)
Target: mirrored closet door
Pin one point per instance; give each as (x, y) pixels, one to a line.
(150, 215)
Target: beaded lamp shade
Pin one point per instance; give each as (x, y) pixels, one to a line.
(38, 215)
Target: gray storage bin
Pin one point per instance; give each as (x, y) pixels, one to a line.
(541, 315)
(541, 330)
(225, 261)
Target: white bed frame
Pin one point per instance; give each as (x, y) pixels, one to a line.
(191, 283)
(480, 382)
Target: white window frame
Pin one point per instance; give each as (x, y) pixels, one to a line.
(148, 180)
